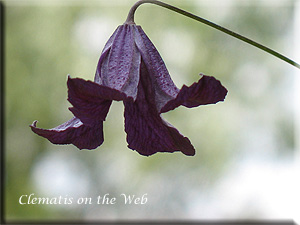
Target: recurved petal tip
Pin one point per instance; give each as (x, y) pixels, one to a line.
(73, 132)
(33, 123)
(208, 90)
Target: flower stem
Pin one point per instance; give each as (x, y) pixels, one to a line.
(130, 19)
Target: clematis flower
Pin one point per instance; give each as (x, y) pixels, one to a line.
(131, 70)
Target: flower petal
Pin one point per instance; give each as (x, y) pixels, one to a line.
(146, 131)
(207, 90)
(91, 101)
(104, 53)
(120, 68)
(73, 132)
(165, 89)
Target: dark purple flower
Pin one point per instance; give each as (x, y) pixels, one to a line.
(131, 70)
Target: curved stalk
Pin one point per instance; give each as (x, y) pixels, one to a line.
(130, 20)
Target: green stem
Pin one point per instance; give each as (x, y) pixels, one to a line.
(130, 20)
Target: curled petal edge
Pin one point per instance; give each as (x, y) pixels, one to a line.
(208, 90)
(73, 132)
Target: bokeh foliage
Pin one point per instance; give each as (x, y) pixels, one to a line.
(45, 42)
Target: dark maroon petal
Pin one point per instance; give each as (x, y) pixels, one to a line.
(85, 89)
(73, 132)
(147, 132)
(91, 101)
(207, 90)
(120, 67)
(165, 89)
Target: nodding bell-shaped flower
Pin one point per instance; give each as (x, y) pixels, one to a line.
(131, 70)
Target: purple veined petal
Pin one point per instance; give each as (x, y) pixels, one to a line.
(104, 52)
(120, 68)
(73, 132)
(90, 100)
(207, 90)
(147, 132)
(165, 88)
(110, 41)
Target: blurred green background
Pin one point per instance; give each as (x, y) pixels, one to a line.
(245, 147)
